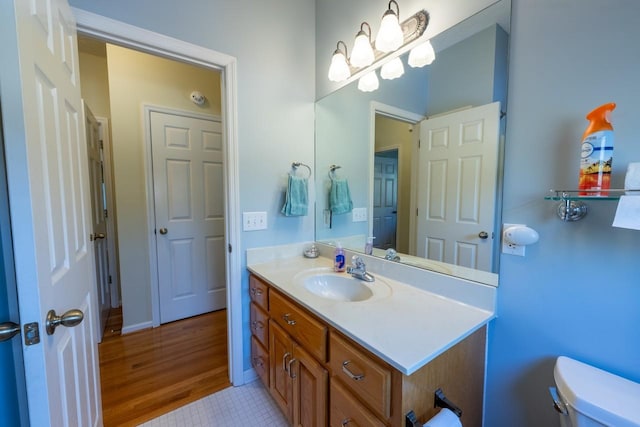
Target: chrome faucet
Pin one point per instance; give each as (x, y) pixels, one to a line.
(392, 255)
(359, 270)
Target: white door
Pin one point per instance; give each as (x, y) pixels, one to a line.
(99, 235)
(50, 208)
(457, 186)
(385, 201)
(188, 181)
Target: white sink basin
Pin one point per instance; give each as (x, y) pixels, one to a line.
(323, 282)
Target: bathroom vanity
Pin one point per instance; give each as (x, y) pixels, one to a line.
(363, 359)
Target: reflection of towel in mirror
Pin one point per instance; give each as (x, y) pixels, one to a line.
(296, 198)
(340, 198)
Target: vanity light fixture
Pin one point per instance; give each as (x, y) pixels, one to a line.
(362, 54)
(368, 82)
(390, 36)
(365, 58)
(422, 55)
(339, 69)
(392, 69)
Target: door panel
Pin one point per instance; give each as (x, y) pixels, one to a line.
(385, 201)
(457, 186)
(50, 207)
(188, 174)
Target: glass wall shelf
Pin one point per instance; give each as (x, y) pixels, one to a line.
(572, 206)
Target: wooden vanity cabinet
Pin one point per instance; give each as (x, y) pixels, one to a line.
(259, 324)
(298, 381)
(320, 377)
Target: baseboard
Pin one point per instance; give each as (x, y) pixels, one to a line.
(250, 375)
(136, 327)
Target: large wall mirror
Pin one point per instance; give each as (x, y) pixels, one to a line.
(408, 195)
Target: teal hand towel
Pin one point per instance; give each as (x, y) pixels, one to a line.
(339, 197)
(297, 197)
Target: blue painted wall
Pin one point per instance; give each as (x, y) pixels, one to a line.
(577, 291)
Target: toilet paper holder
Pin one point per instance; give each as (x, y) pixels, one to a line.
(440, 400)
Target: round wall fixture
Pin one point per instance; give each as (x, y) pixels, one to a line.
(198, 98)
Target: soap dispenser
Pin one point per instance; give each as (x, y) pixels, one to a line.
(339, 263)
(368, 247)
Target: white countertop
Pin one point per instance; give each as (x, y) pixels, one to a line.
(407, 328)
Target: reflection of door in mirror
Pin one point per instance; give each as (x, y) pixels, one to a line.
(457, 165)
(393, 137)
(385, 198)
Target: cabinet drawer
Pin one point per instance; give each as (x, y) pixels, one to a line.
(258, 291)
(260, 361)
(362, 375)
(259, 323)
(307, 331)
(345, 410)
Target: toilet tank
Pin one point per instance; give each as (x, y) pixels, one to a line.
(595, 397)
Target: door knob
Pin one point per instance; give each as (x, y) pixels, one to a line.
(97, 236)
(8, 330)
(163, 230)
(68, 319)
(483, 235)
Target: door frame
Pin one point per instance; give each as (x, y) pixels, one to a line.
(120, 33)
(147, 109)
(376, 107)
(107, 155)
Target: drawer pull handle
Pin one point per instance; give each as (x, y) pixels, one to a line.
(292, 374)
(346, 421)
(284, 361)
(350, 374)
(256, 291)
(257, 324)
(290, 322)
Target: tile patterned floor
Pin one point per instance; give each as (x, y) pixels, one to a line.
(248, 405)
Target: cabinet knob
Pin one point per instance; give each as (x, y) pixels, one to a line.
(346, 421)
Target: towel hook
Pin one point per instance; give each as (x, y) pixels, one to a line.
(332, 170)
(296, 165)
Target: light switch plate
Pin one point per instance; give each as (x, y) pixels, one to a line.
(359, 214)
(252, 221)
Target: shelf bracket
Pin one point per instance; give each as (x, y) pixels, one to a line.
(571, 210)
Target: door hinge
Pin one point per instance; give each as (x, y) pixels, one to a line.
(101, 145)
(416, 211)
(109, 279)
(229, 248)
(419, 144)
(106, 213)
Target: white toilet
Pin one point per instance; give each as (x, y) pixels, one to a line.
(590, 397)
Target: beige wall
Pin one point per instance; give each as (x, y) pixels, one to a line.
(136, 79)
(391, 133)
(94, 82)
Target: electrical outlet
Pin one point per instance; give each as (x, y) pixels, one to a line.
(508, 247)
(252, 221)
(359, 214)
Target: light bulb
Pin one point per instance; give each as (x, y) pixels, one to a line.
(390, 35)
(392, 69)
(422, 55)
(339, 69)
(368, 82)
(362, 53)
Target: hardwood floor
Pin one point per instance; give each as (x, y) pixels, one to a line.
(149, 373)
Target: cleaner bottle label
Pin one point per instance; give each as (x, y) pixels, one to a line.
(596, 160)
(339, 264)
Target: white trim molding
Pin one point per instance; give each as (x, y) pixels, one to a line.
(129, 36)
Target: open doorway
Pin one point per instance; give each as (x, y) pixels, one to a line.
(207, 61)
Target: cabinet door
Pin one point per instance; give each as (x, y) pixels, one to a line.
(280, 361)
(310, 390)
